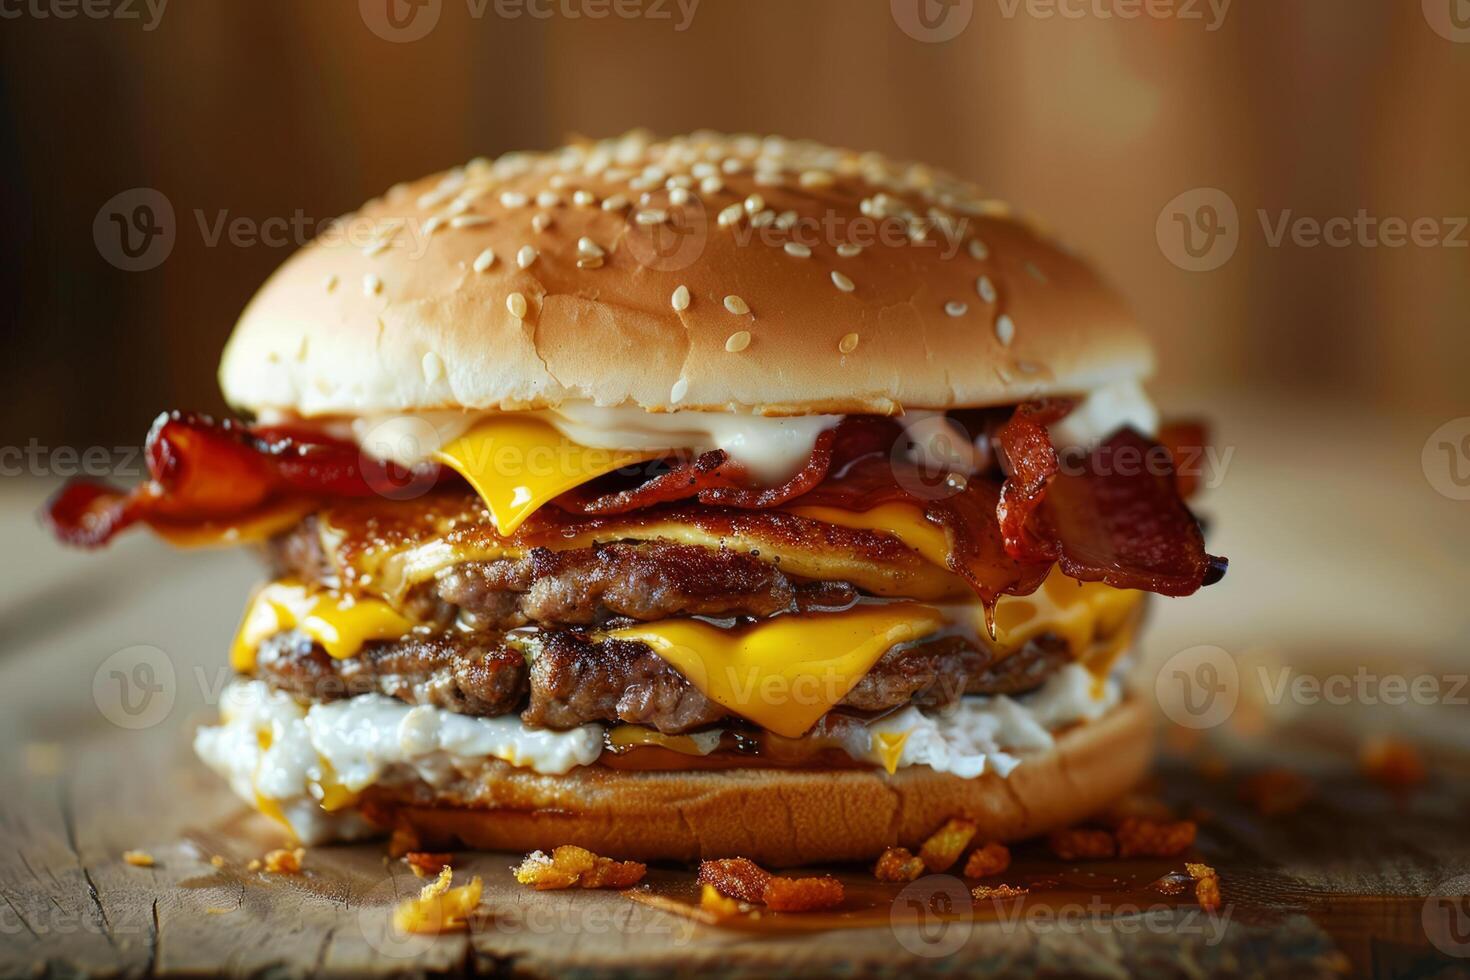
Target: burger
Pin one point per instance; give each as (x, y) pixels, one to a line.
(680, 499)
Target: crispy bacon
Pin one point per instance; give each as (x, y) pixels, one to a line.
(1113, 515)
(201, 470)
(965, 511)
(713, 478)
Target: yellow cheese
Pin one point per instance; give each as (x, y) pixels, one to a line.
(340, 623)
(785, 673)
(903, 521)
(517, 463)
(634, 736)
(1079, 612)
(889, 746)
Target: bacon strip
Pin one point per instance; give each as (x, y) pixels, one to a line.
(202, 470)
(713, 478)
(1031, 463)
(1117, 517)
(965, 511)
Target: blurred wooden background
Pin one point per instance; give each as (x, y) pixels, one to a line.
(261, 109)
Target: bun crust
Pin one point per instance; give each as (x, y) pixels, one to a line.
(390, 312)
(781, 818)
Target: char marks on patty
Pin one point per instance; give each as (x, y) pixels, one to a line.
(563, 678)
(647, 581)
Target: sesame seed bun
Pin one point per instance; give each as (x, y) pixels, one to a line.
(734, 286)
(779, 817)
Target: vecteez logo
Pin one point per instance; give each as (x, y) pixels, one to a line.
(400, 21)
(1199, 230)
(932, 21)
(1198, 687)
(1450, 19)
(135, 229)
(1446, 459)
(147, 13)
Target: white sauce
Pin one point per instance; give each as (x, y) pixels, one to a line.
(772, 449)
(990, 732)
(1104, 412)
(373, 739)
(365, 740)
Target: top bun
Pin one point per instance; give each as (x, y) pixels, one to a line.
(951, 301)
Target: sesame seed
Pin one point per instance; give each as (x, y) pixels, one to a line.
(797, 250)
(371, 285)
(738, 341)
(584, 199)
(374, 247)
(704, 169)
(615, 203)
(767, 178)
(652, 216)
(526, 257)
(755, 203)
(434, 224)
(485, 260)
(433, 367)
(978, 251)
(1005, 329)
(679, 196)
(842, 282)
(331, 282)
(587, 246)
(985, 288)
(516, 303)
(548, 199)
(680, 299)
(468, 220)
(848, 343)
(731, 165)
(762, 218)
(680, 389)
(513, 199)
(956, 308)
(541, 222)
(590, 262)
(848, 251)
(711, 185)
(737, 305)
(730, 216)
(679, 182)
(816, 178)
(785, 220)
(457, 206)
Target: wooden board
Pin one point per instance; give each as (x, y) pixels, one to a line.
(1340, 885)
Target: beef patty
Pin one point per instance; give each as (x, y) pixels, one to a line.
(645, 581)
(563, 678)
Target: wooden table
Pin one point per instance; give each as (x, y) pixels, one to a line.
(1344, 559)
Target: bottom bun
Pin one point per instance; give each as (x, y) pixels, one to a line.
(779, 817)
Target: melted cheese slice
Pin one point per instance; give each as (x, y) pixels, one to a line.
(903, 521)
(1078, 612)
(342, 624)
(785, 673)
(517, 464)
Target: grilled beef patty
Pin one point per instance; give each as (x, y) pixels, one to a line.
(562, 678)
(646, 581)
